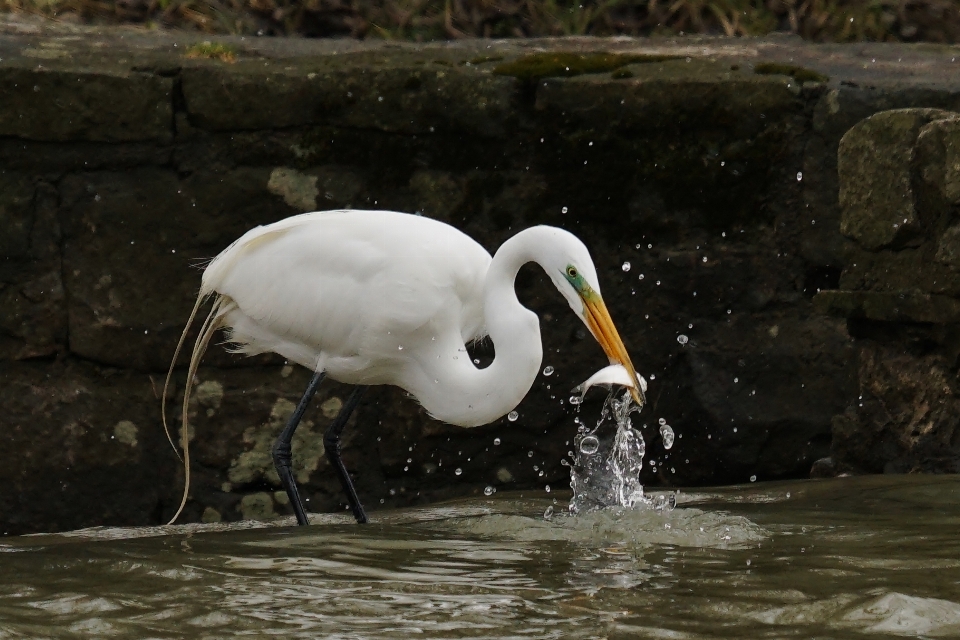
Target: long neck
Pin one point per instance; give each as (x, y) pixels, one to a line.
(468, 396)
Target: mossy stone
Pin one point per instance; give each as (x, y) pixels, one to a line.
(566, 64)
(875, 169)
(800, 74)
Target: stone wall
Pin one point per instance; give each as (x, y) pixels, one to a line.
(900, 196)
(707, 165)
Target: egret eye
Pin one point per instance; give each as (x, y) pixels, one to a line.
(572, 272)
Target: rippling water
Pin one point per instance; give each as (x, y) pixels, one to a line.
(847, 558)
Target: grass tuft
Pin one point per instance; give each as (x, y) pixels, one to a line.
(212, 50)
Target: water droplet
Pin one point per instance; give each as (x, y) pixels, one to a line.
(736, 380)
(662, 421)
(512, 416)
(589, 445)
(547, 488)
(575, 400)
(400, 348)
(548, 513)
(625, 266)
(496, 442)
(409, 460)
(476, 361)
(563, 210)
(682, 339)
(458, 471)
(753, 478)
(799, 176)
(666, 432)
(548, 370)
(529, 454)
(641, 277)
(704, 258)
(488, 490)
(649, 246)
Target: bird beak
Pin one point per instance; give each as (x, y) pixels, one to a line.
(598, 320)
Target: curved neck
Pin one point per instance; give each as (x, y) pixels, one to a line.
(470, 396)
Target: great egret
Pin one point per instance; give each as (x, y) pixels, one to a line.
(380, 297)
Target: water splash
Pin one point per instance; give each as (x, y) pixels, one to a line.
(605, 472)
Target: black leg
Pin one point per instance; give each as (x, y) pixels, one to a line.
(282, 456)
(331, 442)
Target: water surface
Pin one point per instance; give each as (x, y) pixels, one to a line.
(872, 557)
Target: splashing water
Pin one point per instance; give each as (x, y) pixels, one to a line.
(605, 472)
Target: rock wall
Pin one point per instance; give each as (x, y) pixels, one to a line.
(702, 174)
(900, 196)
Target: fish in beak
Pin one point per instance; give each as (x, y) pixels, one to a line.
(598, 320)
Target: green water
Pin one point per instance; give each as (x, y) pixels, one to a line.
(866, 557)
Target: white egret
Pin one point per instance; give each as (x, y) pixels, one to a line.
(380, 297)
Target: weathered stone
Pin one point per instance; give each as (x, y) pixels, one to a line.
(129, 273)
(889, 307)
(769, 391)
(32, 304)
(910, 269)
(906, 419)
(69, 457)
(939, 142)
(874, 162)
(421, 98)
(948, 249)
(699, 133)
(102, 105)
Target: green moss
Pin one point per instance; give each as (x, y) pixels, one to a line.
(565, 64)
(213, 50)
(797, 73)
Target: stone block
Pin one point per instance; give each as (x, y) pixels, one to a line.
(79, 446)
(132, 242)
(699, 134)
(875, 160)
(939, 157)
(416, 98)
(77, 104)
(32, 302)
(905, 419)
(909, 306)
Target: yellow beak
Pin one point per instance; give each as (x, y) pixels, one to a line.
(601, 326)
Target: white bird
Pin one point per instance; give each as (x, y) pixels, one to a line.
(380, 297)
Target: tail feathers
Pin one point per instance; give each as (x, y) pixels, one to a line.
(173, 362)
(222, 305)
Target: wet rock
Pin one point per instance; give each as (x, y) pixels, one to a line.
(876, 195)
(421, 97)
(108, 103)
(32, 301)
(906, 417)
(823, 468)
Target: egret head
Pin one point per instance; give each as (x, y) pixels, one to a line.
(571, 269)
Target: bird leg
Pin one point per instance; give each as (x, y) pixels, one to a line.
(282, 454)
(331, 443)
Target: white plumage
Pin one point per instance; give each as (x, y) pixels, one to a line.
(379, 297)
